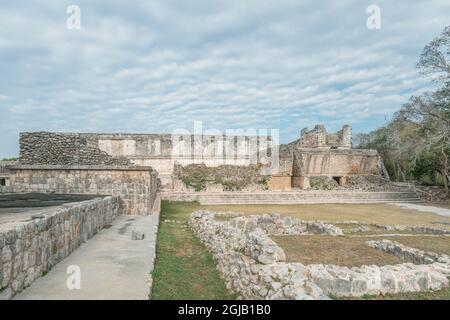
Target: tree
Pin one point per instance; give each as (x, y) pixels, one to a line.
(416, 141)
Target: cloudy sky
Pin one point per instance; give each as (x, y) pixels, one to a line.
(155, 66)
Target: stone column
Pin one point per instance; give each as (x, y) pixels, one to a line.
(346, 139)
(321, 136)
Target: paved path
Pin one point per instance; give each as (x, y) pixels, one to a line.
(437, 210)
(113, 266)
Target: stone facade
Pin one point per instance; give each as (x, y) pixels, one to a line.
(254, 266)
(4, 176)
(317, 154)
(28, 250)
(199, 177)
(160, 151)
(46, 148)
(136, 187)
(318, 138)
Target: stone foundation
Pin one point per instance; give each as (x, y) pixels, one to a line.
(253, 265)
(28, 250)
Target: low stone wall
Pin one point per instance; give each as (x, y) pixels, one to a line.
(253, 265)
(4, 189)
(431, 193)
(30, 249)
(409, 254)
(137, 187)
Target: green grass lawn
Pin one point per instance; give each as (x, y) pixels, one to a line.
(184, 269)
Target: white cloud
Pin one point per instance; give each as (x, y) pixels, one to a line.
(154, 66)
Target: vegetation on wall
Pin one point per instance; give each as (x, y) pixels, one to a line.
(415, 144)
(9, 159)
(232, 178)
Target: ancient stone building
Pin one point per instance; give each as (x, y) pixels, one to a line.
(159, 151)
(318, 156)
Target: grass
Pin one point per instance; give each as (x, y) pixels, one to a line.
(342, 251)
(443, 294)
(370, 213)
(184, 269)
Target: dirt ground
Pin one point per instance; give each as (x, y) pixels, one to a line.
(352, 251)
(342, 251)
(370, 213)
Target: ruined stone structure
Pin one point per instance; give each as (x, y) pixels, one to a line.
(254, 266)
(135, 186)
(317, 160)
(159, 151)
(4, 175)
(29, 248)
(330, 156)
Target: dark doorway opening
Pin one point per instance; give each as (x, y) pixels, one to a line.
(337, 179)
(2, 181)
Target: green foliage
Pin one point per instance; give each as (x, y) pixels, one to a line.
(415, 144)
(10, 159)
(232, 178)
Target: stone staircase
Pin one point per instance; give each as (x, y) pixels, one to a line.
(296, 197)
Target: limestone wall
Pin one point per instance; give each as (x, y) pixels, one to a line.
(199, 177)
(136, 187)
(159, 151)
(319, 138)
(30, 249)
(337, 162)
(254, 266)
(46, 148)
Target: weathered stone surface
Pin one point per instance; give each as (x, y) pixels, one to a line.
(252, 264)
(31, 248)
(137, 188)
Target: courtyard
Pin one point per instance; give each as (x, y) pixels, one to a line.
(185, 269)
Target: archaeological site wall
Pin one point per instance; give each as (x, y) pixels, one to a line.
(199, 177)
(29, 249)
(136, 187)
(160, 151)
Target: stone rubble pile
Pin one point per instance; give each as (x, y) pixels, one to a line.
(274, 224)
(251, 263)
(254, 266)
(425, 230)
(407, 253)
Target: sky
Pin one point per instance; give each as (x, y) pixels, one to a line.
(158, 66)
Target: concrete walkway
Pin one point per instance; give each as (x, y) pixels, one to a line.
(112, 265)
(437, 210)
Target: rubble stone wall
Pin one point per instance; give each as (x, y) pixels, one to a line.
(200, 177)
(161, 151)
(28, 250)
(254, 266)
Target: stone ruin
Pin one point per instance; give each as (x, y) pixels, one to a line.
(323, 161)
(317, 160)
(255, 267)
